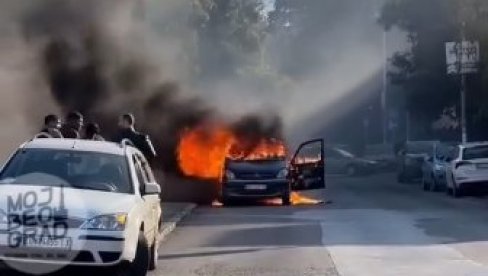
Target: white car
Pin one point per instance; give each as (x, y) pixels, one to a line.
(78, 202)
(468, 168)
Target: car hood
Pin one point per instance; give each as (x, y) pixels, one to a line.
(77, 202)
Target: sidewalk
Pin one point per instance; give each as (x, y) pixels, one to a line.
(173, 213)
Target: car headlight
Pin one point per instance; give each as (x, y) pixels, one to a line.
(282, 174)
(114, 222)
(229, 175)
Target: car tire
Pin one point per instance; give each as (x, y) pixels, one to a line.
(425, 184)
(434, 186)
(226, 200)
(457, 191)
(140, 265)
(286, 199)
(153, 261)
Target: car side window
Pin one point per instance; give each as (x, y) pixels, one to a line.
(146, 169)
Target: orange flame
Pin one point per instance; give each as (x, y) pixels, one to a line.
(202, 151)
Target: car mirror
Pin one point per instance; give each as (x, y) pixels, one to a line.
(152, 189)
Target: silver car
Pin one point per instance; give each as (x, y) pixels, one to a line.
(435, 166)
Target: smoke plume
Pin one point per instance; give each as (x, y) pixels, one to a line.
(99, 57)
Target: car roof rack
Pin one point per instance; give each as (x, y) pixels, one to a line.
(126, 142)
(41, 135)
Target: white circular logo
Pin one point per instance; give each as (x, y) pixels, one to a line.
(40, 223)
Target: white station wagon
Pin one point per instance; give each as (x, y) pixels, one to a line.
(76, 202)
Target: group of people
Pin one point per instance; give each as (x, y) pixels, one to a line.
(73, 128)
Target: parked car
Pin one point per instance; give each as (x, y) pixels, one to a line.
(340, 161)
(468, 168)
(103, 195)
(434, 167)
(411, 159)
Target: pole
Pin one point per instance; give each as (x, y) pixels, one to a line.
(384, 89)
(464, 132)
(407, 126)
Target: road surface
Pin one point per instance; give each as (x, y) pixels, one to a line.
(374, 226)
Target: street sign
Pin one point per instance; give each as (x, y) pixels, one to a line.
(462, 57)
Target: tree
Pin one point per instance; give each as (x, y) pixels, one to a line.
(422, 69)
(230, 35)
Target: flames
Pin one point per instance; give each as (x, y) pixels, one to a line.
(202, 153)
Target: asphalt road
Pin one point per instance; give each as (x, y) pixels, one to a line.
(374, 226)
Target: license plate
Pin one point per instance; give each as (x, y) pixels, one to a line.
(47, 242)
(256, 187)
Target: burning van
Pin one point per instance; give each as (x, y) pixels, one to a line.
(271, 175)
(253, 168)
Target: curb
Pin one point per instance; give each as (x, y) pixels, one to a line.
(172, 222)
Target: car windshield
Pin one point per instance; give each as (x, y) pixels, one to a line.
(80, 170)
(479, 152)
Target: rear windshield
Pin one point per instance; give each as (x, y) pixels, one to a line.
(80, 170)
(479, 152)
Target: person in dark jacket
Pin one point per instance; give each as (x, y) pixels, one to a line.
(140, 140)
(92, 132)
(72, 126)
(52, 124)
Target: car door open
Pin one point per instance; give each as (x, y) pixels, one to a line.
(307, 167)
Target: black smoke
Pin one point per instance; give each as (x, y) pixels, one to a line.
(90, 69)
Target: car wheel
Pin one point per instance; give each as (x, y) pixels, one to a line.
(285, 198)
(153, 261)
(140, 265)
(226, 200)
(434, 186)
(457, 190)
(425, 184)
(351, 170)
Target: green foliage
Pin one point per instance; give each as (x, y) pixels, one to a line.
(230, 35)
(422, 70)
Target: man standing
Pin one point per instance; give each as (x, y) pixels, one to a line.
(72, 126)
(140, 140)
(52, 124)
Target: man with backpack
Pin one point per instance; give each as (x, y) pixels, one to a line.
(140, 140)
